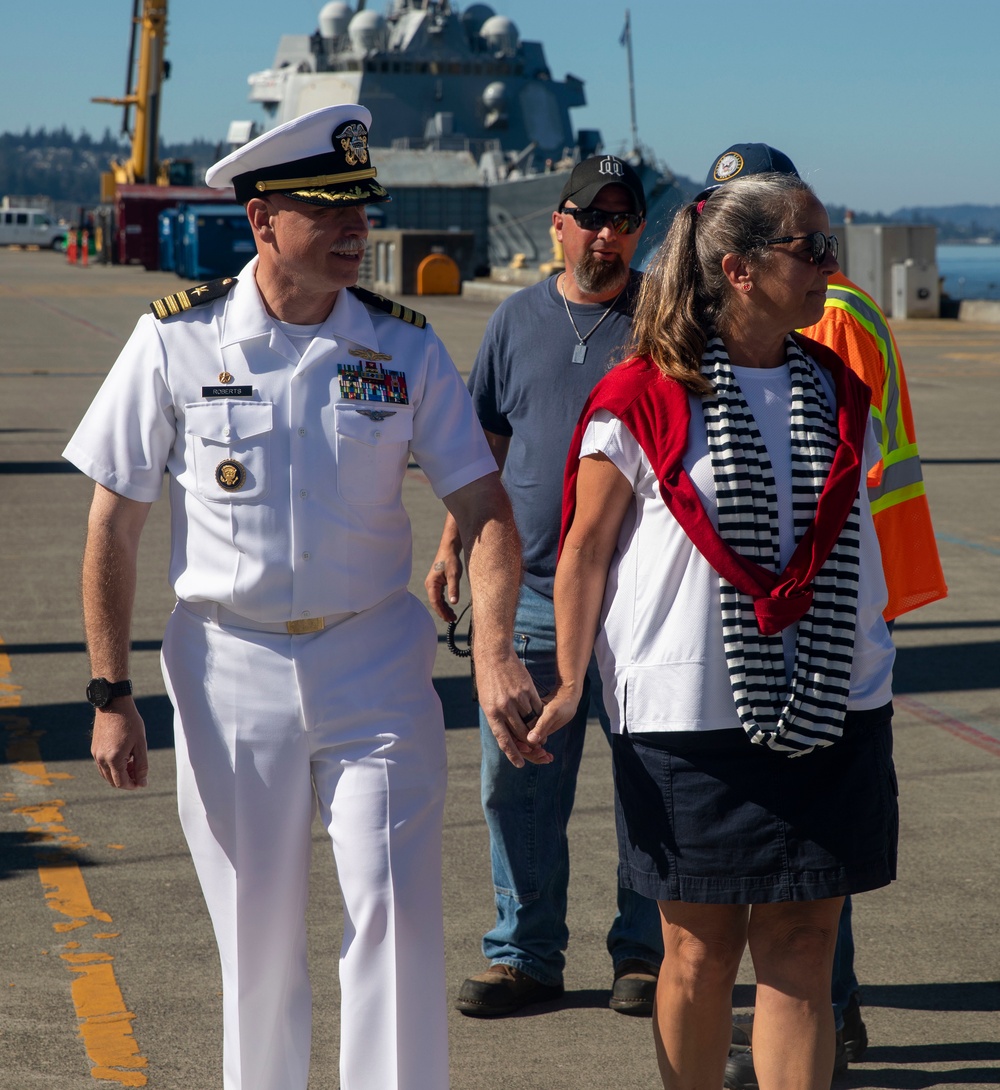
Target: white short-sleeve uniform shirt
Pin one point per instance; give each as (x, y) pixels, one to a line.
(317, 525)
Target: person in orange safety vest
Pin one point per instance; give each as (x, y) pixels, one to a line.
(854, 327)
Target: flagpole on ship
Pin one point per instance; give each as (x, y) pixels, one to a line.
(626, 40)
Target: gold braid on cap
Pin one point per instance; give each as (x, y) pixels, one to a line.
(316, 181)
(334, 195)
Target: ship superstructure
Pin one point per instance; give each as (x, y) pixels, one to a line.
(456, 97)
(432, 78)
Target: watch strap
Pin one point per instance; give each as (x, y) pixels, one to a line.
(100, 691)
(119, 688)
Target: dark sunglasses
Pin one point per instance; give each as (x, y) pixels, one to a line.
(819, 245)
(596, 219)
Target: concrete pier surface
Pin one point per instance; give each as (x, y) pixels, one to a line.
(109, 970)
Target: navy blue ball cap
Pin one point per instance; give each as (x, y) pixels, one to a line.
(742, 160)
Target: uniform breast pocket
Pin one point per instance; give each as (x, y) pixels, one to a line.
(229, 449)
(373, 443)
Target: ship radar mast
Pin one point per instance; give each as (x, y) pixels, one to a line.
(626, 40)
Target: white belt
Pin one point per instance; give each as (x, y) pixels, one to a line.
(301, 626)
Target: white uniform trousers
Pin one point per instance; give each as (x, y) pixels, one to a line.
(265, 724)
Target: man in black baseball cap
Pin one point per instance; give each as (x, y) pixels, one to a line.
(592, 175)
(544, 349)
(599, 219)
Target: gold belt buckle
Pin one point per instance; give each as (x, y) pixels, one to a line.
(305, 625)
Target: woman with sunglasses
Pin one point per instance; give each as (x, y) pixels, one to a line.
(718, 543)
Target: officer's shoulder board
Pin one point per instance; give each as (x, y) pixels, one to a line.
(180, 301)
(397, 310)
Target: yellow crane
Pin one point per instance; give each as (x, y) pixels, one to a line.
(142, 92)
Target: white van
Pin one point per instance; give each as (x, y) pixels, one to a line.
(29, 227)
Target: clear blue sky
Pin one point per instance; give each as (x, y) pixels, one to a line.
(881, 103)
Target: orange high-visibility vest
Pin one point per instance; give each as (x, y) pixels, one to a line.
(854, 327)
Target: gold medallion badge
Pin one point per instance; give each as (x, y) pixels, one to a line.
(226, 378)
(231, 475)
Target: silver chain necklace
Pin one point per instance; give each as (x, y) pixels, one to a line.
(580, 350)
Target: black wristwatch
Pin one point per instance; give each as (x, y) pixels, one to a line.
(100, 691)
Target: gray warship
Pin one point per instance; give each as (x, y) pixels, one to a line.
(460, 102)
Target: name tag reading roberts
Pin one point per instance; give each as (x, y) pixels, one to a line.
(227, 391)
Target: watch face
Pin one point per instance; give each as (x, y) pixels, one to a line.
(98, 692)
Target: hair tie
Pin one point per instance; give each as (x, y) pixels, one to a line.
(699, 206)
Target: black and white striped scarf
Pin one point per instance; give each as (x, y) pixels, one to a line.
(810, 712)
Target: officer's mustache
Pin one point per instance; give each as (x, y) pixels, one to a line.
(350, 246)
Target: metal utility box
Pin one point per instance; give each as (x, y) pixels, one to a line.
(916, 290)
(213, 240)
(392, 261)
(438, 208)
(871, 250)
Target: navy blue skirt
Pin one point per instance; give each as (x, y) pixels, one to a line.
(710, 818)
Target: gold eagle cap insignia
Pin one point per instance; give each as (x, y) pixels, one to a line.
(353, 139)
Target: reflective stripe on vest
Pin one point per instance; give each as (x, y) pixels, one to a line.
(902, 477)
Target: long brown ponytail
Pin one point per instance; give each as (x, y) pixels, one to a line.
(685, 296)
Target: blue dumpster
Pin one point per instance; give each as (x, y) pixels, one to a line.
(214, 240)
(166, 228)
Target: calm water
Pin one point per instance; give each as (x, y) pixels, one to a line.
(970, 272)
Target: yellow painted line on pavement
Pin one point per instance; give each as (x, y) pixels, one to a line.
(105, 1023)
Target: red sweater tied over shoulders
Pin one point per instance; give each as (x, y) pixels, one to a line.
(656, 411)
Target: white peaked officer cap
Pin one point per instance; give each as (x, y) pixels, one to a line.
(321, 157)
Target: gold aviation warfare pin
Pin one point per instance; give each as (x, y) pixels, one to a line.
(369, 354)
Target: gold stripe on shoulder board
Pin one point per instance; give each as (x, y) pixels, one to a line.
(180, 301)
(389, 306)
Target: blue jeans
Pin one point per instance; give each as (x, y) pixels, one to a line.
(845, 983)
(527, 811)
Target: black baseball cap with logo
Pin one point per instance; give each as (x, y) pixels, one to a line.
(592, 175)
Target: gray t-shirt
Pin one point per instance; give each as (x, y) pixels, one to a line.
(525, 385)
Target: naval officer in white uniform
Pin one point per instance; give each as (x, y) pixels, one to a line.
(285, 406)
